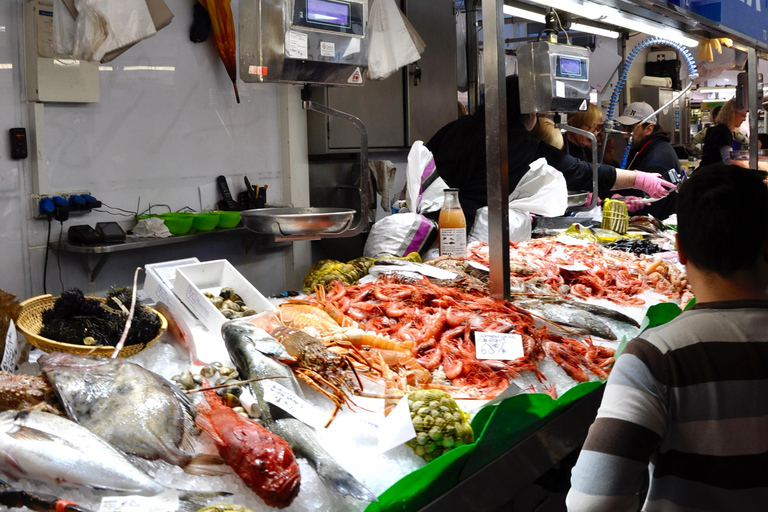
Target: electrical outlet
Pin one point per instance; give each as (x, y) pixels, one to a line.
(35, 201)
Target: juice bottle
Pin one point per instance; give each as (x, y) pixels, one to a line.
(452, 225)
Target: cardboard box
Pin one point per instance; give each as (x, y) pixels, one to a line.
(158, 286)
(193, 281)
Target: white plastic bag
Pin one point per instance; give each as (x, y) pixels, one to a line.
(542, 191)
(424, 187)
(390, 45)
(63, 29)
(106, 25)
(400, 234)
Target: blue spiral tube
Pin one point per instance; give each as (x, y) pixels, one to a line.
(692, 72)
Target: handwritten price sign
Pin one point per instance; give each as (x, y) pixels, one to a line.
(501, 346)
(292, 404)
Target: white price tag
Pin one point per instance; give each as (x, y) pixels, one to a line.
(293, 404)
(497, 345)
(569, 240)
(327, 49)
(8, 361)
(166, 501)
(578, 267)
(397, 427)
(296, 45)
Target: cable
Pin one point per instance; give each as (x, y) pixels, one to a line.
(58, 257)
(117, 214)
(170, 210)
(45, 265)
(115, 208)
(567, 39)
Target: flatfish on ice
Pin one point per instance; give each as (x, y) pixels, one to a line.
(133, 409)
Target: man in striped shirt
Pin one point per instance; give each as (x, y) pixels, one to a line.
(687, 402)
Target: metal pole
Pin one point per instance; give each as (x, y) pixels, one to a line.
(473, 94)
(497, 170)
(753, 105)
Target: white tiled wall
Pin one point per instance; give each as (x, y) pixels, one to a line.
(167, 124)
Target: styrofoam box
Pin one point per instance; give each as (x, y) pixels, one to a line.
(158, 286)
(192, 281)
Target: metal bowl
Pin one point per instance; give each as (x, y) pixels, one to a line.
(578, 198)
(298, 221)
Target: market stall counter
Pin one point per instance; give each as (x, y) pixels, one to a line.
(387, 331)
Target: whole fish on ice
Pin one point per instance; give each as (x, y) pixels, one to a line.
(133, 409)
(256, 354)
(262, 459)
(568, 316)
(51, 449)
(180, 332)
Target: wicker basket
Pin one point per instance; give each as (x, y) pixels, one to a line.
(31, 322)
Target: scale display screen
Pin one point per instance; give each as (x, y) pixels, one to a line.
(571, 67)
(326, 12)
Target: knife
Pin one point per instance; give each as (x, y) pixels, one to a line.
(251, 193)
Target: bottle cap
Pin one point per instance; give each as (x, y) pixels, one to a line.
(450, 190)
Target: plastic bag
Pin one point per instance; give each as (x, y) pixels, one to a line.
(424, 187)
(400, 234)
(391, 44)
(63, 29)
(106, 25)
(542, 191)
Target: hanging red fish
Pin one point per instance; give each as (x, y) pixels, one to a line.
(223, 26)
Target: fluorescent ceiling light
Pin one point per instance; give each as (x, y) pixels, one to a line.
(522, 13)
(649, 27)
(595, 30)
(611, 16)
(539, 18)
(584, 9)
(705, 90)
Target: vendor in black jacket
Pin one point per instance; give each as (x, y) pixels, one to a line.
(459, 152)
(651, 152)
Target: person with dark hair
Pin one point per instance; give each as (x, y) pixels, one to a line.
(651, 151)
(684, 401)
(459, 152)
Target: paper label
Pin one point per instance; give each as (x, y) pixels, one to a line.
(578, 267)
(166, 501)
(296, 45)
(327, 49)
(293, 404)
(453, 242)
(356, 77)
(497, 345)
(397, 427)
(569, 240)
(8, 361)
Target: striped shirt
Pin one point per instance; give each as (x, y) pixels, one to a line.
(687, 402)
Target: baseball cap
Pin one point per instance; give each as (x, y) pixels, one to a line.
(636, 112)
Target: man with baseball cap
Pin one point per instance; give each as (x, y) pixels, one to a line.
(651, 152)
